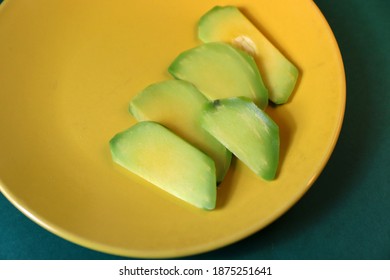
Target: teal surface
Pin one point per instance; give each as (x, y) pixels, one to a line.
(346, 213)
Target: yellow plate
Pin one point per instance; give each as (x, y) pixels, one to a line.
(67, 72)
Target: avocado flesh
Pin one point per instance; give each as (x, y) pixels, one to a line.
(164, 159)
(228, 24)
(177, 105)
(247, 131)
(219, 70)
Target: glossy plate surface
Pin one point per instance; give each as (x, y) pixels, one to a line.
(67, 72)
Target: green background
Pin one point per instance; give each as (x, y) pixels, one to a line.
(346, 213)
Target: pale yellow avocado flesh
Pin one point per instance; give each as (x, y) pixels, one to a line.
(228, 24)
(177, 105)
(247, 131)
(159, 156)
(220, 70)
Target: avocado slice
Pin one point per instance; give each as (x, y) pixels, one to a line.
(161, 157)
(219, 70)
(247, 131)
(177, 105)
(228, 24)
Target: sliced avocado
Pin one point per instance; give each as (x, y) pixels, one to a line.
(161, 157)
(247, 131)
(177, 105)
(219, 70)
(228, 24)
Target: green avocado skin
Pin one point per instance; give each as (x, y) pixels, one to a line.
(247, 131)
(220, 70)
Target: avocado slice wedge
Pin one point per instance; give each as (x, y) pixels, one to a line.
(247, 131)
(228, 24)
(164, 159)
(177, 105)
(220, 70)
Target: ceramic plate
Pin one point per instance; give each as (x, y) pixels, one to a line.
(68, 70)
